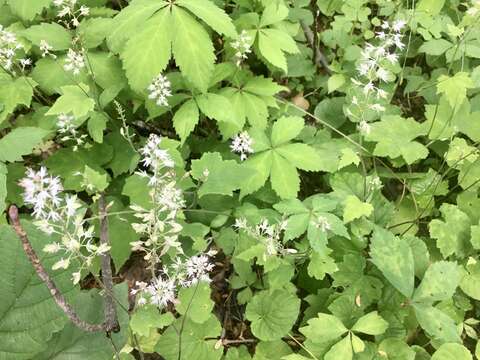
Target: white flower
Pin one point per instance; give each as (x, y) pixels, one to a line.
(383, 74)
(242, 144)
(84, 11)
(398, 25)
(323, 224)
(364, 127)
(242, 47)
(52, 248)
(74, 61)
(160, 90)
(46, 49)
(61, 264)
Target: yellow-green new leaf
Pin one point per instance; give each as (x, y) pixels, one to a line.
(215, 17)
(74, 100)
(452, 351)
(341, 350)
(284, 177)
(185, 119)
(147, 53)
(323, 328)
(193, 49)
(371, 324)
(355, 209)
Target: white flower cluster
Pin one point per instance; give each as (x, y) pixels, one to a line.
(68, 12)
(242, 47)
(373, 69)
(74, 61)
(160, 90)
(9, 49)
(67, 128)
(62, 215)
(267, 234)
(163, 288)
(159, 223)
(242, 144)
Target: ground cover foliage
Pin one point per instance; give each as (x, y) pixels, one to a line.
(283, 179)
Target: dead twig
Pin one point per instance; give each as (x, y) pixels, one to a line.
(43, 275)
(111, 321)
(319, 58)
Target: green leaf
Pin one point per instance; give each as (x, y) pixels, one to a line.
(74, 100)
(341, 350)
(273, 13)
(453, 234)
(55, 35)
(215, 17)
(195, 302)
(219, 176)
(323, 328)
(432, 7)
(148, 317)
(185, 119)
(284, 177)
(27, 9)
(262, 165)
(470, 282)
(286, 129)
(396, 349)
(439, 282)
(94, 181)
(194, 343)
(3, 186)
(455, 87)
(320, 265)
(72, 343)
(393, 256)
(301, 156)
(19, 142)
(215, 106)
(355, 209)
(14, 92)
(435, 47)
(272, 314)
(28, 314)
(436, 323)
(195, 60)
(127, 22)
(147, 53)
(452, 352)
(335, 82)
(97, 123)
(394, 136)
(124, 157)
(371, 324)
(259, 85)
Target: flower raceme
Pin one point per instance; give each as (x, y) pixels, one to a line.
(62, 214)
(373, 69)
(158, 224)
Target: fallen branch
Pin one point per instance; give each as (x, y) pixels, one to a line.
(320, 59)
(43, 275)
(111, 321)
